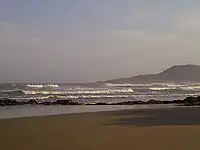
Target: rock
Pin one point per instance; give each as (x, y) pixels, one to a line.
(99, 103)
(176, 101)
(190, 100)
(1, 103)
(166, 102)
(32, 102)
(139, 102)
(6, 102)
(66, 102)
(130, 103)
(74, 103)
(62, 102)
(198, 99)
(154, 102)
(46, 103)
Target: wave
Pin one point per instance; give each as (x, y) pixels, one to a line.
(42, 85)
(122, 85)
(12, 92)
(101, 97)
(161, 88)
(197, 87)
(107, 91)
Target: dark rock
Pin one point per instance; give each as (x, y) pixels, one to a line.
(65, 102)
(166, 102)
(1, 103)
(130, 103)
(198, 98)
(46, 103)
(9, 102)
(190, 100)
(100, 103)
(154, 102)
(139, 102)
(32, 102)
(62, 102)
(74, 103)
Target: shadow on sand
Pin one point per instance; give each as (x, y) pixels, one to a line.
(157, 117)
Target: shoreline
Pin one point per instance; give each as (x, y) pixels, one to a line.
(34, 110)
(118, 111)
(67, 107)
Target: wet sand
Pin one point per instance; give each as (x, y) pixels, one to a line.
(152, 129)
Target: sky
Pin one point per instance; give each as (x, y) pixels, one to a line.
(90, 40)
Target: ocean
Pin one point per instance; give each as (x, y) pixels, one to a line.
(89, 94)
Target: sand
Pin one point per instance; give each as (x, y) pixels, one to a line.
(158, 129)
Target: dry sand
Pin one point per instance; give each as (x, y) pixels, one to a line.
(159, 129)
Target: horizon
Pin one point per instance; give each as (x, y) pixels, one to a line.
(80, 42)
(79, 83)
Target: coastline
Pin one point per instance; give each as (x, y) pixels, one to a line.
(37, 110)
(174, 128)
(15, 109)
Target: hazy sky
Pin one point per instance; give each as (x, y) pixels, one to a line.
(87, 40)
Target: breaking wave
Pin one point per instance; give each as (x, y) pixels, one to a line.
(12, 92)
(107, 92)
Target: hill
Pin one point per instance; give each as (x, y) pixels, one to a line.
(178, 73)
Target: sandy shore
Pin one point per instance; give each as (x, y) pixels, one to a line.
(157, 129)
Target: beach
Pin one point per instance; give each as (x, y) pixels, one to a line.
(152, 129)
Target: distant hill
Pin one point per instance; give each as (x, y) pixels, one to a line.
(179, 73)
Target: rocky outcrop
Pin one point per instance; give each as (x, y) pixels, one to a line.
(131, 103)
(9, 102)
(189, 101)
(32, 102)
(65, 102)
(192, 101)
(60, 102)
